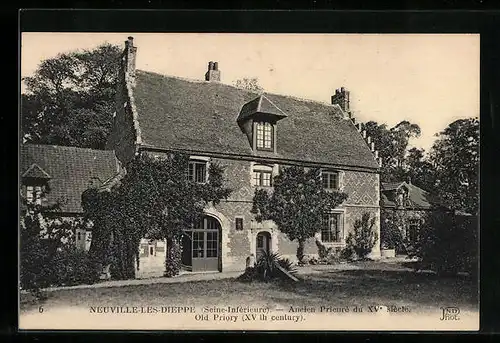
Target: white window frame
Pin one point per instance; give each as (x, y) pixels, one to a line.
(198, 160)
(341, 222)
(265, 133)
(331, 172)
(262, 168)
(34, 194)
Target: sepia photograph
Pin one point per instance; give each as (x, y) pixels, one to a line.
(238, 181)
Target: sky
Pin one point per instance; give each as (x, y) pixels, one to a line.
(429, 79)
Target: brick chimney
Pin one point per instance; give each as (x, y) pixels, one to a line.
(213, 73)
(341, 98)
(129, 56)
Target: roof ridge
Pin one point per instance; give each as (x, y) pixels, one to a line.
(64, 147)
(243, 89)
(33, 166)
(272, 103)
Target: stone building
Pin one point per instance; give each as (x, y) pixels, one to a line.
(411, 204)
(253, 135)
(52, 174)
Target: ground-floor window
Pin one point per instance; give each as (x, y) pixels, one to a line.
(413, 229)
(332, 230)
(201, 245)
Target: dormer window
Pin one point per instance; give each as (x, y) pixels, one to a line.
(36, 181)
(34, 194)
(265, 135)
(258, 119)
(197, 171)
(330, 180)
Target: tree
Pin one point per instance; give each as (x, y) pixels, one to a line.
(297, 203)
(70, 99)
(154, 200)
(455, 156)
(419, 169)
(251, 84)
(392, 145)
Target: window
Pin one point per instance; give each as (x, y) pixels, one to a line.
(265, 136)
(212, 240)
(34, 194)
(239, 224)
(330, 179)
(331, 230)
(413, 230)
(197, 171)
(260, 241)
(262, 178)
(198, 243)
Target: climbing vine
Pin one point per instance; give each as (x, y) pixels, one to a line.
(153, 200)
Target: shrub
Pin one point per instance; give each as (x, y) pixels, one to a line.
(48, 256)
(447, 244)
(363, 239)
(392, 224)
(71, 267)
(323, 251)
(266, 268)
(391, 236)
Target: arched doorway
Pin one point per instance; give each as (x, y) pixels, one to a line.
(201, 246)
(263, 244)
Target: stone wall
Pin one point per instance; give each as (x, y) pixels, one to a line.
(363, 196)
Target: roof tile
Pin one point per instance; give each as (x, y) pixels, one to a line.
(72, 170)
(175, 113)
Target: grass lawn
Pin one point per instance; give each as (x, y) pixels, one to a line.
(369, 285)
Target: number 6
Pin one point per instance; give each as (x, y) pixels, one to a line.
(40, 309)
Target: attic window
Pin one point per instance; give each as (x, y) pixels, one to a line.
(265, 135)
(34, 194)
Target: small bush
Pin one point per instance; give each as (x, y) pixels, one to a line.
(266, 268)
(323, 251)
(48, 256)
(71, 267)
(361, 242)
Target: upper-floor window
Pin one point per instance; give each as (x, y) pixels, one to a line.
(262, 178)
(330, 179)
(332, 229)
(262, 175)
(34, 194)
(265, 136)
(197, 171)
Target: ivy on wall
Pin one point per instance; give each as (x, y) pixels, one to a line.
(153, 200)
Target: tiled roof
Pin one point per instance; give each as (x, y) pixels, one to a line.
(201, 116)
(261, 104)
(419, 198)
(387, 186)
(35, 172)
(72, 170)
